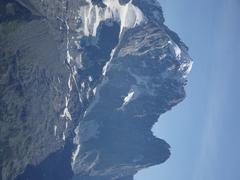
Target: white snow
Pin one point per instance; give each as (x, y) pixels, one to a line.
(178, 52)
(77, 44)
(88, 92)
(90, 78)
(128, 98)
(97, 20)
(66, 112)
(85, 29)
(55, 130)
(66, 101)
(186, 63)
(172, 67)
(76, 85)
(76, 141)
(83, 85)
(78, 61)
(69, 57)
(162, 56)
(64, 137)
(186, 67)
(94, 91)
(67, 26)
(190, 64)
(106, 66)
(75, 154)
(66, 125)
(69, 83)
(127, 15)
(85, 113)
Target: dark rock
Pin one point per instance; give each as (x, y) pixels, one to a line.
(123, 2)
(80, 92)
(99, 3)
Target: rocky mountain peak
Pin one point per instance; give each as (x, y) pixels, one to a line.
(82, 83)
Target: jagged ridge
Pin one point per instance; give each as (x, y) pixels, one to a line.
(117, 69)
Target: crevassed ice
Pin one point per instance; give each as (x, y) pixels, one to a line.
(128, 15)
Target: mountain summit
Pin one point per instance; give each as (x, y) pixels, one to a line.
(82, 82)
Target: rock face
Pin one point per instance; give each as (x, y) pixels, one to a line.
(81, 84)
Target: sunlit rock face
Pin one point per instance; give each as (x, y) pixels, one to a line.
(82, 83)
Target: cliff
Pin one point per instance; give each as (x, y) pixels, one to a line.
(81, 85)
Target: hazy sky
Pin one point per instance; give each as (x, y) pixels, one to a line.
(204, 130)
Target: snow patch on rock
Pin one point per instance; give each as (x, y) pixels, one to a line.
(75, 154)
(129, 97)
(127, 15)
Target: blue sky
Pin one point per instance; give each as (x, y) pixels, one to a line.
(204, 130)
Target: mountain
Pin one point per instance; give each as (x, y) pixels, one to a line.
(81, 85)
